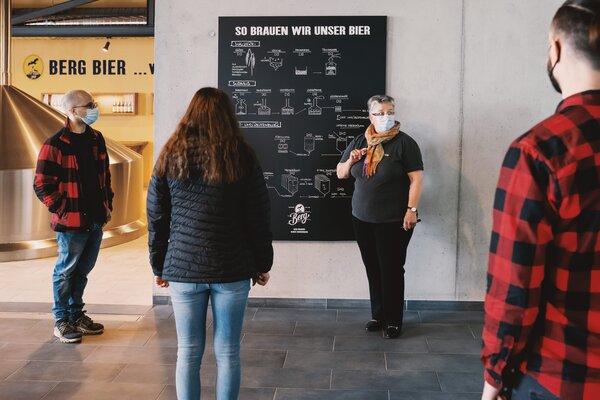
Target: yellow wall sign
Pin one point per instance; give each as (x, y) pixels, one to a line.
(33, 66)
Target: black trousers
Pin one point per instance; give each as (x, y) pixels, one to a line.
(383, 250)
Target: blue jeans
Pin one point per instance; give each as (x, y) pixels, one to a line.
(530, 389)
(190, 303)
(77, 254)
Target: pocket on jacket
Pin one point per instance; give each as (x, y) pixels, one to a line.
(62, 209)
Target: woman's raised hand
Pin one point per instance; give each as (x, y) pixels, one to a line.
(357, 154)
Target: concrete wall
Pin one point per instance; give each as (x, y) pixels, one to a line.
(506, 91)
(468, 76)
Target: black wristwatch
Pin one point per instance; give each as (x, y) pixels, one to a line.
(413, 209)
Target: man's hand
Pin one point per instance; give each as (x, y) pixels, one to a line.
(261, 278)
(160, 282)
(491, 393)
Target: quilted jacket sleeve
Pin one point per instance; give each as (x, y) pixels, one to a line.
(258, 220)
(158, 209)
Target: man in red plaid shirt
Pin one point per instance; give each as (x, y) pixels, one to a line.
(72, 179)
(541, 338)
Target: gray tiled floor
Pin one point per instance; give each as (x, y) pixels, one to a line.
(287, 353)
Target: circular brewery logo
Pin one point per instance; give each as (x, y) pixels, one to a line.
(33, 67)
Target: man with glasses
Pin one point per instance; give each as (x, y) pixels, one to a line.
(542, 308)
(72, 179)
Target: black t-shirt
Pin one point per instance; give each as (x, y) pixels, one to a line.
(383, 197)
(83, 144)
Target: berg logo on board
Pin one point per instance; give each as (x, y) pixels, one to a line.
(300, 215)
(33, 67)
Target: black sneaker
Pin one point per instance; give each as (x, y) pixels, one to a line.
(374, 325)
(66, 332)
(392, 332)
(85, 325)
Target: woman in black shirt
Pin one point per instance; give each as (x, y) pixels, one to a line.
(386, 195)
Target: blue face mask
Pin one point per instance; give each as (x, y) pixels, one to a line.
(91, 116)
(384, 123)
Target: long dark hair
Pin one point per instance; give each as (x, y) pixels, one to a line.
(579, 21)
(207, 142)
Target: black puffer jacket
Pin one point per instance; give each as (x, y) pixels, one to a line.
(209, 234)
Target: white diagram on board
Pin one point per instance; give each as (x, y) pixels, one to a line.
(316, 186)
(322, 184)
(301, 70)
(275, 59)
(240, 105)
(330, 65)
(290, 183)
(308, 144)
(241, 108)
(341, 143)
(250, 61)
(314, 108)
(287, 109)
(246, 59)
(263, 109)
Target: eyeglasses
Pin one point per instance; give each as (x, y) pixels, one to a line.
(381, 114)
(90, 105)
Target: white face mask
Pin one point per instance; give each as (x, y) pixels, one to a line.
(384, 123)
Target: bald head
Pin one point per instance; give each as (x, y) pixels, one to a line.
(75, 98)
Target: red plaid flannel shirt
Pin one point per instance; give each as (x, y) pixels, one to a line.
(57, 181)
(544, 258)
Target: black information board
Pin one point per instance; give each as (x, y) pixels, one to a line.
(300, 87)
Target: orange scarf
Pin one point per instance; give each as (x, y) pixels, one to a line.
(375, 148)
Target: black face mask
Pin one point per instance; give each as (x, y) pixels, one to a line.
(553, 80)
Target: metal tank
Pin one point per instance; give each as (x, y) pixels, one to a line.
(25, 123)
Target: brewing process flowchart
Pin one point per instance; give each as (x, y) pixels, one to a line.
(299, 86)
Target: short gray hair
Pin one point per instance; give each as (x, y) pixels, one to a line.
(73, 98)
(380, 99)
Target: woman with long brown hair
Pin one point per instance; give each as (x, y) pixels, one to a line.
(208, 234)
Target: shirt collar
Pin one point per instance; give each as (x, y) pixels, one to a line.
(591, 97)
(67, 133)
